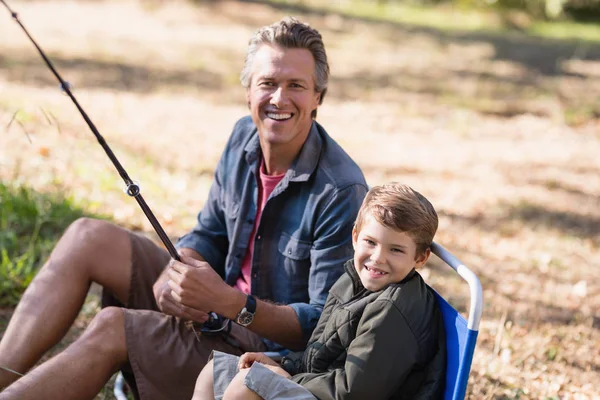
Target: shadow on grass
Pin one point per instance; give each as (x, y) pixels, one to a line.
(102, 74)
(487, 92)
(536, 216)
(541, 55)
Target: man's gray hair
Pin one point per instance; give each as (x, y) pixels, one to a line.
(290, 33)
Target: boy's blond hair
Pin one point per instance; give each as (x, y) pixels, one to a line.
(401, 208)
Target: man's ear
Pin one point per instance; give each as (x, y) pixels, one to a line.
(248, 97)
(422, 258)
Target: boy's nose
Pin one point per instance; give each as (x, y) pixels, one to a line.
(377, 257)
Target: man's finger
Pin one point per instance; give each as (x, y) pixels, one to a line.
(170, 307)
(177, 266)
(192, 262)
(176, 297)
(194, 315)
(174, 274)
(175, 288)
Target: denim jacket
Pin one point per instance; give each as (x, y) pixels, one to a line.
(304, 235)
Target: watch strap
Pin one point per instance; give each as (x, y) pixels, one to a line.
(250, 304)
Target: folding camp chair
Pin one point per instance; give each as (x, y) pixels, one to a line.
(461, 335)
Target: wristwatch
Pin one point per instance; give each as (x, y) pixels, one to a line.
(245, 317)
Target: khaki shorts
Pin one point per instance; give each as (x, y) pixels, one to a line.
(165, 354)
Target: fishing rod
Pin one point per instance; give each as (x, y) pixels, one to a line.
(132, 189)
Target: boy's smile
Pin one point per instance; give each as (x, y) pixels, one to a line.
(383, 255)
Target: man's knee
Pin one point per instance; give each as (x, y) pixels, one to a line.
(90, 233)
(106, 333)
(90, 242)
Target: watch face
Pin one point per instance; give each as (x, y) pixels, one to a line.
(245, 317)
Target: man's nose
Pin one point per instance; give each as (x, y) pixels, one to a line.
(278, 98)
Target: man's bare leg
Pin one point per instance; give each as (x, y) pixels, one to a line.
(81, 370)
(89, 250)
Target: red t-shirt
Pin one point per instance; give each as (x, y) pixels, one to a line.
(266, 184)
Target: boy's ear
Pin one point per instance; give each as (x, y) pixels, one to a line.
(422, 258)
(354, 237)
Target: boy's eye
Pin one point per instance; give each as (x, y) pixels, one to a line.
(370, 242)
(397, 250)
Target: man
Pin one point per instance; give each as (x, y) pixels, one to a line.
(276, 226)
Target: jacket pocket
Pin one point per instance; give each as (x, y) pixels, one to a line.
(294, 269)
(294, 248)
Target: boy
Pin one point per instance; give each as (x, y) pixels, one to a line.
(380, 335)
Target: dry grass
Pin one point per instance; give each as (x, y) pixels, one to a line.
(500, 132)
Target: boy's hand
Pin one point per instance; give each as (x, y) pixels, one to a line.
(247, 359)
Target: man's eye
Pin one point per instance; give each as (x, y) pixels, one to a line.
(265, 84)
(296, 86)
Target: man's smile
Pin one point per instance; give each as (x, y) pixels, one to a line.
(279, 116)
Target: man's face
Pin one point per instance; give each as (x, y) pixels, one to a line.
(282, 95)
(383, 255)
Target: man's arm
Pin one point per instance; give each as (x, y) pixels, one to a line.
(196, 286)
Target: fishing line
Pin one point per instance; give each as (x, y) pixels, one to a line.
(215, 323)
(132, 189)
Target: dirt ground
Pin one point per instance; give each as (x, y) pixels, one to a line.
(501, 133)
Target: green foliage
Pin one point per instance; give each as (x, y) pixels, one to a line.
(579, 10)
(30, 225)
(539, 18)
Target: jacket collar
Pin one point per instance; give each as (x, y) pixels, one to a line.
(304, 164)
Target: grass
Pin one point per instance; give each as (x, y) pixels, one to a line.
(30, 224)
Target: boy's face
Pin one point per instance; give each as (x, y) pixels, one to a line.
(383, 255)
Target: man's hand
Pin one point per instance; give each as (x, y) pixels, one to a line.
(168, 305)
(194, 284)
(247, 359)
(165, 301)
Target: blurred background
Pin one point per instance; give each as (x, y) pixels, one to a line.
(491, 109)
